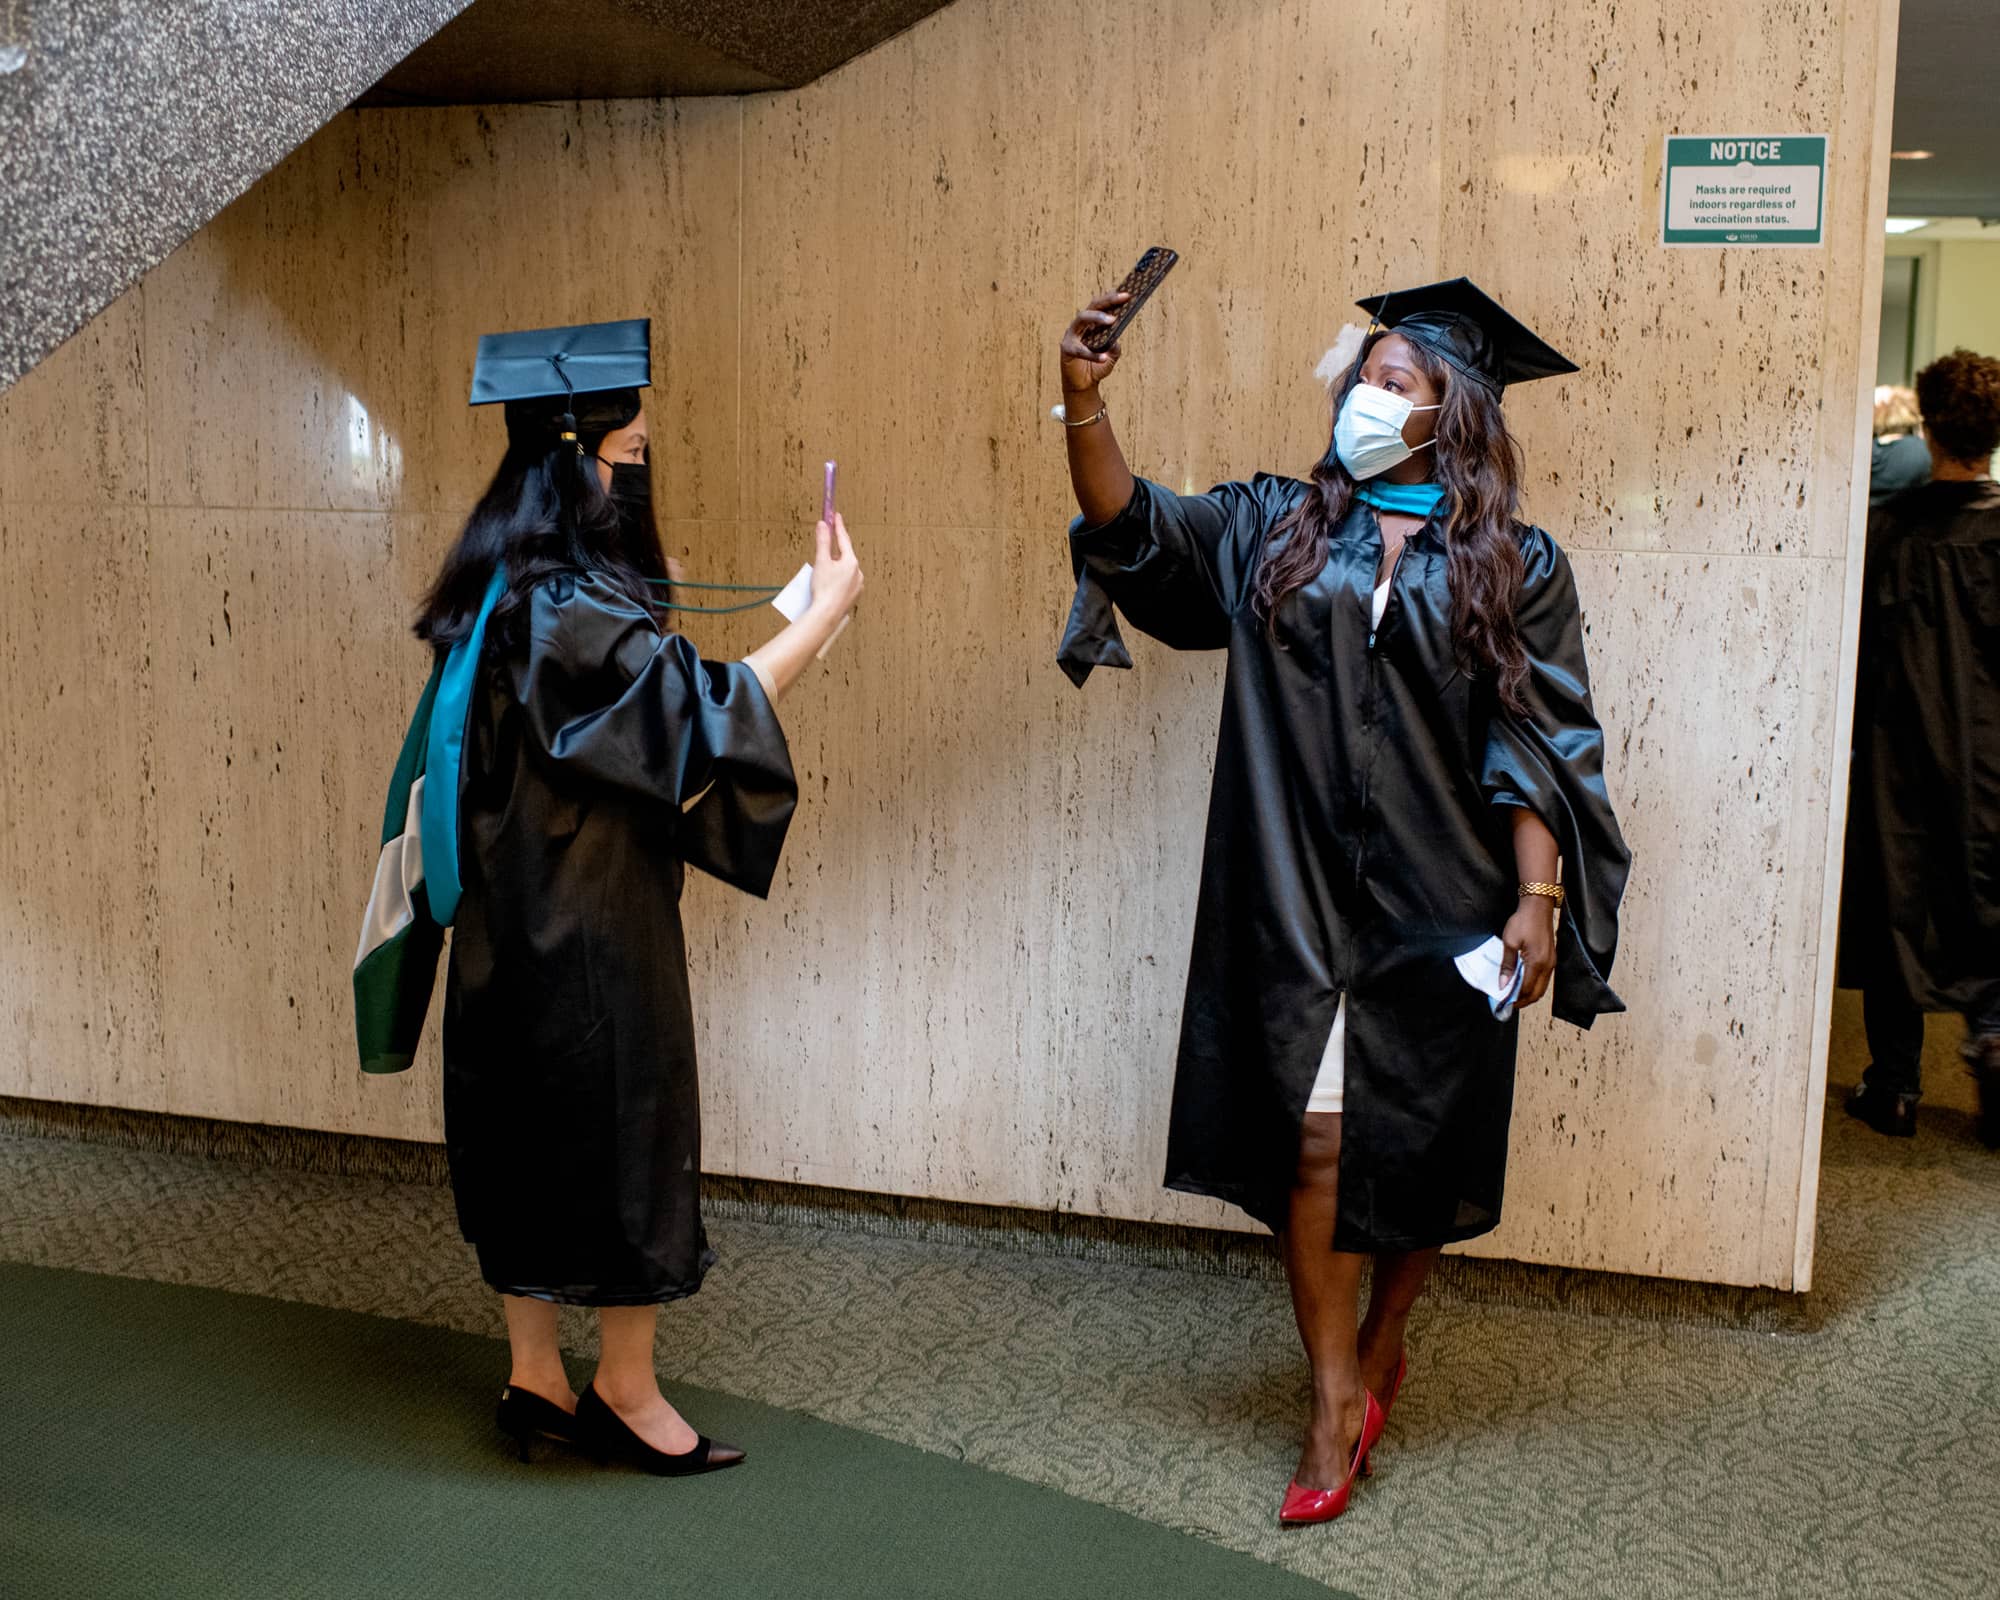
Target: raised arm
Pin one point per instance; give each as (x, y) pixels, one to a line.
(1097, 471)
(1178, 566)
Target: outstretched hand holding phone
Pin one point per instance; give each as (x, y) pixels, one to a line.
(837, 576)
(836, 585)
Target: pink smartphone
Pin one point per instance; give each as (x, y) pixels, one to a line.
(826, 497)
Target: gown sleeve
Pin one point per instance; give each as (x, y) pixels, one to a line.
(1551, 762)
(1178, 566)
(621, 705)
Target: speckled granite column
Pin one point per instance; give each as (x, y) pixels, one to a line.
(130, 124)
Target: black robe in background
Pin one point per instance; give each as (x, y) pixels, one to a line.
(1920, 911)
(600, 756)
(1358, 840)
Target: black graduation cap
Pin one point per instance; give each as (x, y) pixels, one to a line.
(588, 376)
(1467, 328)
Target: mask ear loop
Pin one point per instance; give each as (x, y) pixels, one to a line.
(765, 591)
(766, 594)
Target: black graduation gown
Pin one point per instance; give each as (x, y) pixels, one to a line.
(601, 756)
(1358, 840)
(1920, 912)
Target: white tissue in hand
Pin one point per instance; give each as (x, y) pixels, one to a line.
(796, 596)
(1481, 968)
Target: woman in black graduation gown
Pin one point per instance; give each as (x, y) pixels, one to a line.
(1408, 764)
(1920, 913)
(602, 756)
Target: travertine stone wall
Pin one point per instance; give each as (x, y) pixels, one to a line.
(218, 504)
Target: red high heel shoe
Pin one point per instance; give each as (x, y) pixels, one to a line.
(1395, 1388)
(1304, 1506)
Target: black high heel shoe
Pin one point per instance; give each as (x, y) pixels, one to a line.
(524, 1415)
(607, 1435)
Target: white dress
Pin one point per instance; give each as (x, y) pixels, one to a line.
(1332, 1078)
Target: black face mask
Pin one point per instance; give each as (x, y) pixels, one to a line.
(632, 492)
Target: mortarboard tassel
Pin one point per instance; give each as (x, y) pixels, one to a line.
(567, 479)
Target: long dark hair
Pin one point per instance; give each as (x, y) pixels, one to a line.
(522, 520)
(1479, 464)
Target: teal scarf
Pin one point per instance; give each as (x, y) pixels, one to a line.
(1401, 499)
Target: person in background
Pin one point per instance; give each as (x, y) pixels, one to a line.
(1900, 460)
(1920, 923)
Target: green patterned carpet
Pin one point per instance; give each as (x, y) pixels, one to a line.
(165, 1441)
(1538, 1451)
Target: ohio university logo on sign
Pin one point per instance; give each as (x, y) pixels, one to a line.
(1742, 190)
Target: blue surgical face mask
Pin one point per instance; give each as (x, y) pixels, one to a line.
(1368, 437)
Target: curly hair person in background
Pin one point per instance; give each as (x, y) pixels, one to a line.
(1920, 918)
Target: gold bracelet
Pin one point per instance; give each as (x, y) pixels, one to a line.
(1097, 416)
(1542, 891)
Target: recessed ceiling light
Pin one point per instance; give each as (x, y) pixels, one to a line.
(1911, 155)
(1905, 224)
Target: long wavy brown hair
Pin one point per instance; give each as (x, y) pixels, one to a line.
(1479, 464)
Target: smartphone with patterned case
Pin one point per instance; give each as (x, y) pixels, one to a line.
(1139, 283)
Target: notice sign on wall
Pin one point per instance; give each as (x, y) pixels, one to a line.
(1735, 190)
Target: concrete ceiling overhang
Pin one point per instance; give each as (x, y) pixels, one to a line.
(497, 51)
